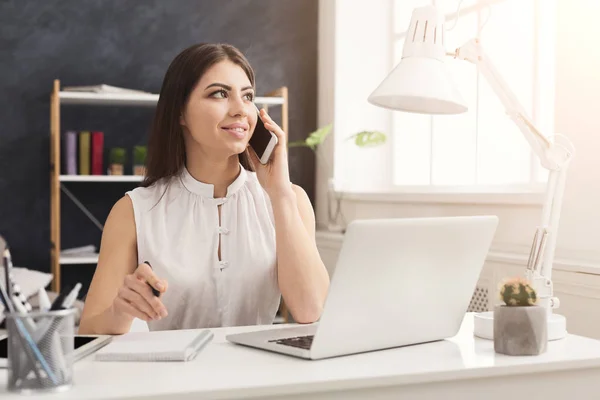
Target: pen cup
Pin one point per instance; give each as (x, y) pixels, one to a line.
(40, 350)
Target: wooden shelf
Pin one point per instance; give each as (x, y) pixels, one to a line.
(125, 99)
(117, 99)
(78, 259)
(58, 98)
(101, 178)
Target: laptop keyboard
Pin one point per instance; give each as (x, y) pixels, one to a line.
(303, 342)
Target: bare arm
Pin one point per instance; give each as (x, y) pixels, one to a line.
(303, 278)
(116, 296)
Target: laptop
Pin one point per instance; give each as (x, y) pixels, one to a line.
(397, 282)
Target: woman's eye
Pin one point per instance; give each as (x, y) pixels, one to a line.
(249, 96)
(220, 94)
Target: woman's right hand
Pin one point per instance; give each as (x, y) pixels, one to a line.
(135, 297)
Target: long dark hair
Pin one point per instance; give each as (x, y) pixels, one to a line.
(166, 148)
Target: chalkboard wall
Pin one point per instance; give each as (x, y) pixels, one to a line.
(125, 43)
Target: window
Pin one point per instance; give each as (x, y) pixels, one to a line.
(480, 148)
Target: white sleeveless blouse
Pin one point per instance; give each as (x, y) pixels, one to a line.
(178, 231)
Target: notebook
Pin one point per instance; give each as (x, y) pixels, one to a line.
(174, 345)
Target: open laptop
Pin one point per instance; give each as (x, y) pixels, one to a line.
(397, 282)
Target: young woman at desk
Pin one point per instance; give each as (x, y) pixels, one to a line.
(224, 243)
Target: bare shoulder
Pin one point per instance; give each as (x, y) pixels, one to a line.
(119, 239)
(122, 210)
(121, 218)
(301, 196)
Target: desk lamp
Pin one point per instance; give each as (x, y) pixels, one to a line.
(421, 84)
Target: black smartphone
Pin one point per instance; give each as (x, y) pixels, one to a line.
(262, 141)
(82, 346)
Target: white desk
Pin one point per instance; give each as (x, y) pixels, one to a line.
(462, 367)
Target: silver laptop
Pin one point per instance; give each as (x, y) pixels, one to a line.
(397, 282)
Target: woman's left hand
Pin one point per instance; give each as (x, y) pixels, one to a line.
(273, 176)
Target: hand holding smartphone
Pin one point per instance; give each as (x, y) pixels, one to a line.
(262, 141)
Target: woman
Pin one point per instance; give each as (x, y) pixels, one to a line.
(218, 242)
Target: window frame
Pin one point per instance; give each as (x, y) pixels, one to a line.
(529, 193)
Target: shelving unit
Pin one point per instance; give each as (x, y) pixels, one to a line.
(58, 98)
(100, 178)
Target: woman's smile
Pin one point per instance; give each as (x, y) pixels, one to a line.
(237, 130)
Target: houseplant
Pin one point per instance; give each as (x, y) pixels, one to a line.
(520, 325)
(363, 139)
(116, 162)
(139, 160)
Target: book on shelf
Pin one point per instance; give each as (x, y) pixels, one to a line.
(97, 153)
(103, 89)
(84, 153)
(70, 150)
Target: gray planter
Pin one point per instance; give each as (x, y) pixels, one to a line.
(520, 331)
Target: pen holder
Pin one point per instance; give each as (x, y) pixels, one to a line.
(40, 350)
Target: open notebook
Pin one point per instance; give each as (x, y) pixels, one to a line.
(175, 345)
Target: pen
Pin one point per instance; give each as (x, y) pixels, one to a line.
(21, 309)
(155, 291)
(57, 303)
(7, 271)
(16, 292)
(71, 297)
(44, 301)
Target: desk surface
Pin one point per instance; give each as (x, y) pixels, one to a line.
(225, 370)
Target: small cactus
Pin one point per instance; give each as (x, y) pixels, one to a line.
(517, 292)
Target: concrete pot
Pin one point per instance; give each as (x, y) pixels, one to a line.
(520, 331)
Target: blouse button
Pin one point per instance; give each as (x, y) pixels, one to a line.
(223, 265)
(223, 231)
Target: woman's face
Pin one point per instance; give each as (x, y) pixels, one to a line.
(220, 115)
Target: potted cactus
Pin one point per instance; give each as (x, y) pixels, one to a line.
(139, 160)
(520, 325)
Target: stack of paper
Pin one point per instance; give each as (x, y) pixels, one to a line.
(79, 251)
(102, 89)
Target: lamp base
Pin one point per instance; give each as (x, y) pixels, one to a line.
(484, 326)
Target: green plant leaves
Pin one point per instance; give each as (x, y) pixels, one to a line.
(368, 138)
(361, 139)
(314, 139)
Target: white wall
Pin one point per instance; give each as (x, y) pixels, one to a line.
(577, 265)
(577, 115)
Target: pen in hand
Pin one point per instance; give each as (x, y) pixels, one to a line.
(140, 295)
(155, 291)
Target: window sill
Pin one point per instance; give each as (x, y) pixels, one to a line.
(449, 196)
(327, 240)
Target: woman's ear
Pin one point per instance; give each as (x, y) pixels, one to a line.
(182, 120)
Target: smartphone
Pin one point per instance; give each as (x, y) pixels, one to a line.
(83, 345)
(262, 141)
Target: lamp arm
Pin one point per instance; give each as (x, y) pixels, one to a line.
(553, 156)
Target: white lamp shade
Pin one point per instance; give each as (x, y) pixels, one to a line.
(420, 83)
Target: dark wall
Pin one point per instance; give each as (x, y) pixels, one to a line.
(125, 43)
